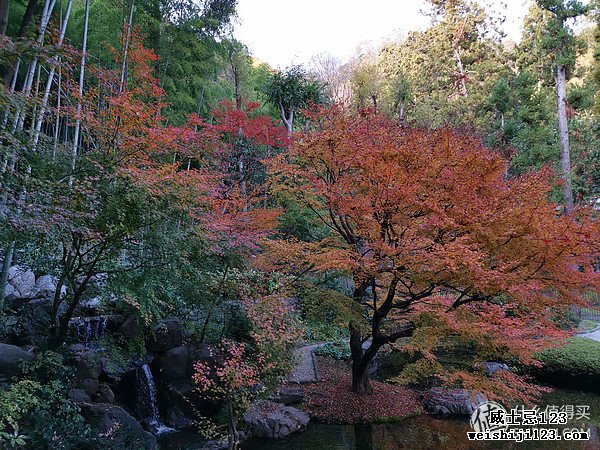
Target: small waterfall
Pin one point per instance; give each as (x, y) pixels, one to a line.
(89, 329)
(150, 391)
(103, 327)
(88, 333)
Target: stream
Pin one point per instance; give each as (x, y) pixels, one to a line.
(422, 432)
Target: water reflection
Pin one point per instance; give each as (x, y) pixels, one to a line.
(423, 432)
(418, 433)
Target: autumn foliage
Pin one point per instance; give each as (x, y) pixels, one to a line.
(439, 243)
(241, 369)
(211, 166)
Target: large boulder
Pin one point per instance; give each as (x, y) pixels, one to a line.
(87, 362)
(130, 327)
(288, 395)
(95, 302)
(89, 385)
(175, 365)
(11, 358)
(124, 430)
(177, 419)
(21, 282)
(45, 287)
(167, 334)
(491, 368)
(452, 401)
(31, 324)
(104, 394)
(78, 395)
(97, 283)
(275, 420)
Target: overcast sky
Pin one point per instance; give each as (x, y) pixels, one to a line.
(283, 33)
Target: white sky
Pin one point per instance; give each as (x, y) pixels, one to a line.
(283, 32)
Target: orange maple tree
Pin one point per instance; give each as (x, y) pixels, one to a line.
(438, 241)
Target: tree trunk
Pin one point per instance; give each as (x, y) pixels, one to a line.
(123, 82)
(362, 358)
(233, 441)
(61, 331)
(57, 299)
(361, 361)
(563, 131)
(27, 18)
(360, 365)
(461, 73)
(45, 19)
(28, 83)
(4, 7)
(81, 81)
(401, 114)
(8, 256)
(205, 325)
(287, 118)
(360, 379)
(236, 82)
(58, 105)
(50, 80)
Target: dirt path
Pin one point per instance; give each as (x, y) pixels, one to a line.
(306, 369)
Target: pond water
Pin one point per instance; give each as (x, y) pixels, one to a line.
(422, 432)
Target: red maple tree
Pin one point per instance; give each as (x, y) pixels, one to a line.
(237, 213)
(438, 241)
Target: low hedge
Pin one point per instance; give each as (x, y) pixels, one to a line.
(575, 365)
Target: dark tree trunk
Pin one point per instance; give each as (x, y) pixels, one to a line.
(360, 364)
(27, 17)
(237, 84)
(360, 376)
(362, 358)
(57, 299)
(4, 7)
(360, 379)
(62, 324)
(25, 24)
(205, 325)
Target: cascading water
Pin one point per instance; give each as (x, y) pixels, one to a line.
(88, 333)
(103, 327)
(89, 329)
(149, 389)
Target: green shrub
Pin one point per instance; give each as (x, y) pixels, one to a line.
(326, 305)
(237, 325)
(326, 313)
(580, 356)
(576, 364)
(320, 332)
(394, 362)
(335, 350)
(35, 411)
